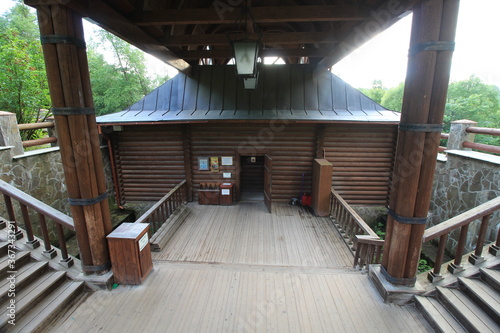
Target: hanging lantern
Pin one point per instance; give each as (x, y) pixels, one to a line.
(245, 56)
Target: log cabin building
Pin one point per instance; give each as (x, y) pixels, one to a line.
(272, 133)
(319, 121)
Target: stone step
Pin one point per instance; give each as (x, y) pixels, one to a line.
(4, 246)
(491, 277)
(483, 295)
(468, 313)
(437, 315)
(22, 278)
(30, 296)
(53, 305)
(9, 263)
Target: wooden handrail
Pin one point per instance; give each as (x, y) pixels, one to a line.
(352, 213)
(368, 251)
(44, 212)
(39, 142)
(483, 130)
(163, 209)
(462, 222)
(37, 205)
(481, 146)
(33, 126)
(367, 245)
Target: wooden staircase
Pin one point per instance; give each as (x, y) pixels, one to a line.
(34, 291)
(471, 304)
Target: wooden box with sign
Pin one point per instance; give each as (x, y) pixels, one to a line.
(130, 253)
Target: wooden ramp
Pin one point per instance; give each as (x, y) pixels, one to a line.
(240, 269)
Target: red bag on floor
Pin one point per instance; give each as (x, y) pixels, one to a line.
(306, 200)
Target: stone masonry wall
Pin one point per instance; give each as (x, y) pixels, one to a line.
(465, 180)
(40, 174)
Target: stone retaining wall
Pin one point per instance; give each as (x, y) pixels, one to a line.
(464, 180)
(40, 174)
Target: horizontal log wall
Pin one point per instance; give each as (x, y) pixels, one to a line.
(362, 158)
(292, 148)
(150, 161)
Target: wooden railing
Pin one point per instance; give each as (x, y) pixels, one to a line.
(482, 146)
(462, 222)
(35, 126)
(161, 211)
(369, 251)
(358, 235)
(44, 212)
(444, 136)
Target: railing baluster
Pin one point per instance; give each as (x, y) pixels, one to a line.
(495, 248)
(477, 257)
(32, 242)
(66, 260)
(456, 265)
(12, 217)
(435, 275)
(49, 251)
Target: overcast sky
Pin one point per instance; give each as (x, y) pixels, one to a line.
(384, 58)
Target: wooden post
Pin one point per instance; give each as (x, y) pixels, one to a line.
(69, 83)
(429, 62)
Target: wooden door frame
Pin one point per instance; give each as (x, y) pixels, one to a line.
(238, 170)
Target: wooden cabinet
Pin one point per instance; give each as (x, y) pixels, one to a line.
(208, 196)
(226, 194)
(321, 187)
(130, 253)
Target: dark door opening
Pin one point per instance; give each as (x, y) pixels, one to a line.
(252, 178)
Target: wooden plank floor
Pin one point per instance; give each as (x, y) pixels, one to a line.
(240, 269)
(247, 234)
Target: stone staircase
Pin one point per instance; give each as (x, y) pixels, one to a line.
(470, 304)
(32, 293)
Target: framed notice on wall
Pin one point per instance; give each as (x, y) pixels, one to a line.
(214, 164)
(226, 160)
(203, 163)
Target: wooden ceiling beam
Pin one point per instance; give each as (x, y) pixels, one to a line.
(109, 19)
(214, 15)
(267, 38)
(228, 53)
(386, 15)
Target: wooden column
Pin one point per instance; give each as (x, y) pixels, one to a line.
(69, 83)
(431, 48)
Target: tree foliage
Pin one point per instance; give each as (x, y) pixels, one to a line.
(24, 88)
(119, 84)
(469, 99)
(23, 82)
(393, 98)
(376, 92)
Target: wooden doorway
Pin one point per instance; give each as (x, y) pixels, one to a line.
(268, 183)
(252, 178)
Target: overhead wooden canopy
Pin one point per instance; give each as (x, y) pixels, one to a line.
(187, 32)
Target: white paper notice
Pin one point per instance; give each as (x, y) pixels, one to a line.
(225, 192)
(143, 242)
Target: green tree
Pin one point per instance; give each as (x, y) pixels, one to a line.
(393, 98)
(117, 85)
(474, 100)
(376, 92)
(23, 82)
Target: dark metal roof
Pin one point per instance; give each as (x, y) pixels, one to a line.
(285, 92)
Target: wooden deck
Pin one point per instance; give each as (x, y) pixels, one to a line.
(241, 269)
